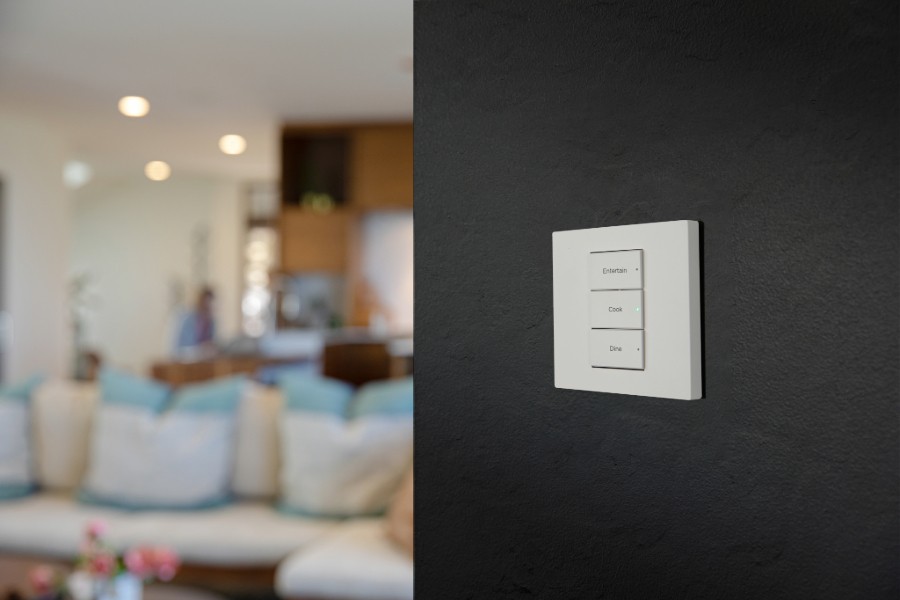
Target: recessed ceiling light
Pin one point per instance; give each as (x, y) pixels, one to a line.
(134, 106)
(76, 174)
(157, 170)
(232, 144)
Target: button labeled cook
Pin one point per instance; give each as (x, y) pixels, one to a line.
(617, 348)
(620, 270)
(617, 309)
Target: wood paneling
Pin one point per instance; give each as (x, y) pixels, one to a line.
(313, 242)
(381, 167)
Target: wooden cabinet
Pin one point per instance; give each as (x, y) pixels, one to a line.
(331, 176)
(366, 167)
(314, 162)
(356, 168)
(313, 242)
(381, 167)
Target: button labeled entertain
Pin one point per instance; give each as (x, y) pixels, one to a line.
(617, 348)
(616, 270)
(617, 309)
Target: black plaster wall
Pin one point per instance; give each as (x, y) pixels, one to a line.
(776, 125)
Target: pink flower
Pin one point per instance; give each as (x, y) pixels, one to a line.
(95, 529)
(138, 563)
(166, 572)
(149, 561)
(166, 563)
(102, 564)
(41, 579)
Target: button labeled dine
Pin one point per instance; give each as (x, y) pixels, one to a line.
(616, 270)
(617, 309)
(617, 348)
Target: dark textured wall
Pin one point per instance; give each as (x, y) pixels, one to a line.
(776, 125)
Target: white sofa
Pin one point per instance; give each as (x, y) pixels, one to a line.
(300, 557)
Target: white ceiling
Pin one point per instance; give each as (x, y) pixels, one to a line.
(208, 67)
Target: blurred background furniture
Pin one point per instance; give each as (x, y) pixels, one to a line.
(356, 363)
(176, 373)
(353, 355)
(239, 549)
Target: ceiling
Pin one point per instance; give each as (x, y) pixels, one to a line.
(208, 67)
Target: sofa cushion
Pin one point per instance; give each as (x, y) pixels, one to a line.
(17, 476)
(123, 389)
(355, 561)
(400, 518)
(256, 455)
(247, 534)
(344, 456)
(179, 458)
(244, 534)
(52, 525)
(62, 413)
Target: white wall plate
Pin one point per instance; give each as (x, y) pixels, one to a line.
(659, 266)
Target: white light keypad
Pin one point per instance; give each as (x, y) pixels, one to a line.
(616, 309)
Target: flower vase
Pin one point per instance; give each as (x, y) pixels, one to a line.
(121, 587)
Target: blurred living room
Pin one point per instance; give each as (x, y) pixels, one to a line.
(206, 299)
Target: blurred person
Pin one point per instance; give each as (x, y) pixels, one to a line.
(196, 332)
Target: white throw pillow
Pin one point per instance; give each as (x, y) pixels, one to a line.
(16, 461)
(343, 455)
(145, 455)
